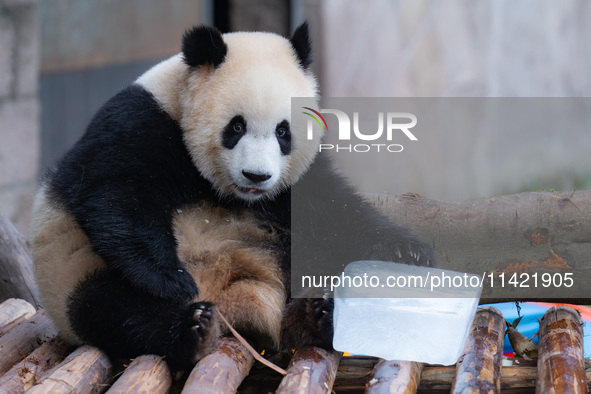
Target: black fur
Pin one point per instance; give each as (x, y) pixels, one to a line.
(122, 320)
(122, 181)
(204, 45)
(300, 40)
(332, 207)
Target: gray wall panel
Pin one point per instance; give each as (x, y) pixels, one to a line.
(70, 99)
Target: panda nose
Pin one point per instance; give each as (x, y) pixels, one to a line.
(254, 177)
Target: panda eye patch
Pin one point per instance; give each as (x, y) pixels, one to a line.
(281, 132)
(284, 137)
(234, 130)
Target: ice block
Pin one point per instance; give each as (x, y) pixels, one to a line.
(423, 314)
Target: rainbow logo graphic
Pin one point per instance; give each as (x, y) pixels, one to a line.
(315, 118)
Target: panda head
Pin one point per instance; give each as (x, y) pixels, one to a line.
(236, 109)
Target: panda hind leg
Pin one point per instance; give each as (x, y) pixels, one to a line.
(308, 322)
(107, 312)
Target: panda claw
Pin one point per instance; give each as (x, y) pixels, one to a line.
(202, 314)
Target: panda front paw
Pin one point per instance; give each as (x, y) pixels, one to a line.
(203, 321)
(206, 327)
(320, 313)
(411, 251)
(417, 253)
(198, 335)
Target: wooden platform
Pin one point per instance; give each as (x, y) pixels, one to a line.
(34, 359)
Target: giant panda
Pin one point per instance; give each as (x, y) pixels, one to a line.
(175, 203)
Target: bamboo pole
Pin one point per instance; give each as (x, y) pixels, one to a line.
(87, 370)
(395, 377)
(14, 308)
(221, 371)
(561, 366)
(26, 373)
(311, 370)
(479, 368)
(24, 338)
(145, 374)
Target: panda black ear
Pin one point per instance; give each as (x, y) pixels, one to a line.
(300, 40)
(204, 45)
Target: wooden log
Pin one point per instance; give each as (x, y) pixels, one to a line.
(13, 309)
(479, 367)
(516, 378)
(521, 233)
(16, 266)
(355, 371)
(146, 374)
(437, 378)
(561, 366)
(311, 370)
(23, 339)
(12, 325)
(87, 370)
(221, 371)
(26, 373)
(395, 377)
(519, 378)
(353, 375)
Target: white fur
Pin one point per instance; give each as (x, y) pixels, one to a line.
(257, 80)
(259, 154)
(166, 81)
(63, 257)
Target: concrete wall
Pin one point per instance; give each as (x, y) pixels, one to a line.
(456, 48)
(92, 49)
(86, 51)
(88, 34)
(260, 15)
(465, 48)
(19, 109)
